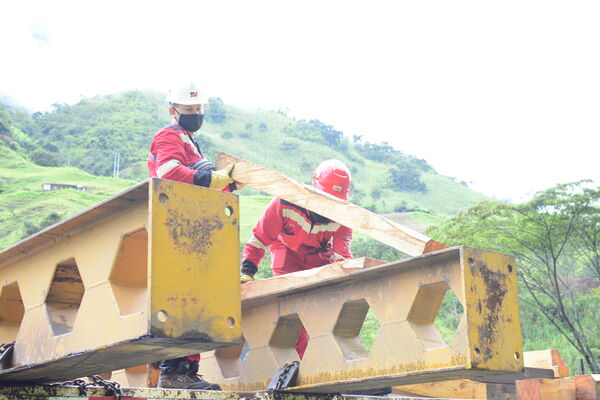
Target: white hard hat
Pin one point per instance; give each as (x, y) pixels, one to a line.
(185, 94)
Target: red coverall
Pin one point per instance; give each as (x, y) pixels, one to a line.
(171, 151)
(299, 240)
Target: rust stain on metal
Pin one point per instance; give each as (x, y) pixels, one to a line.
(496, 290)
(399, 369)
(192, 236)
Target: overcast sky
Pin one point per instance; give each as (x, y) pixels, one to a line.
(504, 95)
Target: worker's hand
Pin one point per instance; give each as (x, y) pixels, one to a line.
(239, 185)
(246, 278)
(221, 178)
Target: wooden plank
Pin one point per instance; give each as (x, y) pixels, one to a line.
(459, 389)
(587, 387)
(501, 391)
(546, 389)
(528, 373)
(456, 389)
(548, 359)
(357, 218)
(253, 292)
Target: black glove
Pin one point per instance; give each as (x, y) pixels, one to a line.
(249, 268)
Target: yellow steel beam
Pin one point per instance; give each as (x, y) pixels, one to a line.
(152, 273)
(405, 297)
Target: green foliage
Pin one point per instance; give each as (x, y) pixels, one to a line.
(31, 228)
(448, 316)
(363, 246)
(45, 158)
(369, 330)
(555, 238)
(406, 177)
(215, 111)
(87, 135)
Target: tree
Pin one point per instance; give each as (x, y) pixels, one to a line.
(215, 112)
(555, 239)
(406, 177)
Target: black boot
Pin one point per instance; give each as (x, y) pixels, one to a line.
(180, 373)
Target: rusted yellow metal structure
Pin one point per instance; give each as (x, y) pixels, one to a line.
(405, 297)
(151, 273)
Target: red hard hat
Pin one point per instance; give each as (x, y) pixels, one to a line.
(333, 177)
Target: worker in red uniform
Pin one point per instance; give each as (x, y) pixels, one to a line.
(175, 155)
(300, 239)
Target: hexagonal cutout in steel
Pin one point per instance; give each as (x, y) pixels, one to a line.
(424, 312)
(231, 359)
(287, 334)
(64, 297)
(11, 312)
(355, 329)
(129, 273)
(449, 316)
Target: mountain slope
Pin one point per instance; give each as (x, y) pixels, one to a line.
(89, 134)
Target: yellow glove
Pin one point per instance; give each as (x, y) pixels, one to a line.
(221, 178)
(246, 278)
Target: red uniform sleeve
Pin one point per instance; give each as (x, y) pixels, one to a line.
(341, 242)
(170, 158)
(266, 231)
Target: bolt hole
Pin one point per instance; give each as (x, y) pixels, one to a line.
(228, 211)
(517, 355)
(163, 198)
(230, 322)
(510, 268)
(477, 351)
(162, 316)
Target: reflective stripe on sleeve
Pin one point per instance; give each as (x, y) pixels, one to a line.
(294, 216)
(166, 167)
(253, 240)
(305, 225)
(185, 139)
(330, 227)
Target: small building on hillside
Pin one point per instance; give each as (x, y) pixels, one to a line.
(58, 186)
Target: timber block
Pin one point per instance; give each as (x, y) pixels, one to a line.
(546, 389)
(149, 274)
(458, 389)
(548, 359)
(587, 387)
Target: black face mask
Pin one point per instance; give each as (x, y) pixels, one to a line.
(190, 122)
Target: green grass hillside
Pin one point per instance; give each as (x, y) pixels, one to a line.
(87, 135)
(25, 207)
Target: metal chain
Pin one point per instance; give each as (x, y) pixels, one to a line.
(112, 388)
(280, 380)
(80, 383)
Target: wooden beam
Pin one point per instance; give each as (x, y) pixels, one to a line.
(527, 373)
(587, 387)
(456, 389)
(548, 359)
(546, 389)
(459, 389)
(254, 292)
(357, 218)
